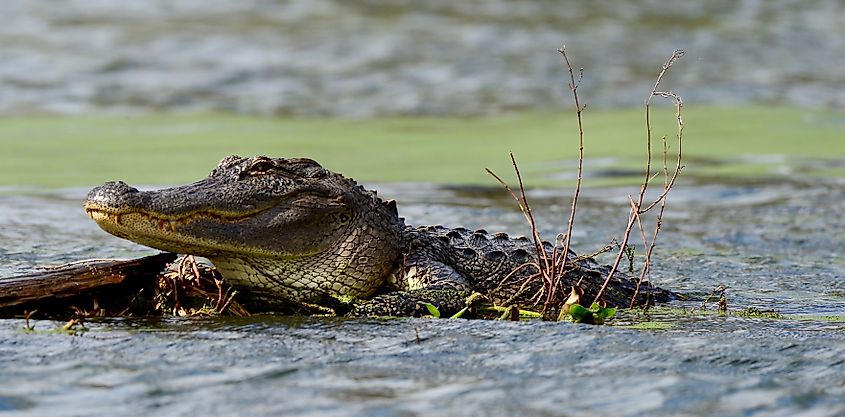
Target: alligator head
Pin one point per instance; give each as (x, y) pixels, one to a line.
(283, 227)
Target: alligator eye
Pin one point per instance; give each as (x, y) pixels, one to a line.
(261, 166)
(265, 166)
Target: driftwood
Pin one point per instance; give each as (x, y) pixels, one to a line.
(153, 286)
(88, 288)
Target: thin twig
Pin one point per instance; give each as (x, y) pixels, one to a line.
(680, 134)
(511, 274)
(229, 299)
(543, 263)
(220, 296)
(639, 220)
(635, 212)
(573, 86)
(552, 269)
(535, 234)
(658, 223)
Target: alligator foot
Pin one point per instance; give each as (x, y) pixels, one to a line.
(413, 303)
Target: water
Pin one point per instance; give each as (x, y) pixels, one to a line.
(375, 57)
(274, 366)
(774, 243)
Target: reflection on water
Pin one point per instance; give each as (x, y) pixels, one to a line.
(366, 57)
(774, 244)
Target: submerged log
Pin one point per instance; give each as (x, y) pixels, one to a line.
(95, 287)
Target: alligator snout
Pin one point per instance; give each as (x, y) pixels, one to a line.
(113, 194)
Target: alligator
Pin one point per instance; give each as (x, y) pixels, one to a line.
(288, 230)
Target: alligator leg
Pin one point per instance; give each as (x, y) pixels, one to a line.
(428, 281)
(421, 272)
(412, 303)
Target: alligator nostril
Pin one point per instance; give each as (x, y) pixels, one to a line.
(112, 193)
(119, 187)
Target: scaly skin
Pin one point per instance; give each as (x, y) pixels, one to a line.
(290, 231)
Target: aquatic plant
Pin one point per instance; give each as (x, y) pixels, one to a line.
(551, 268)
(188, 288)
(756, 313)
(573, 310)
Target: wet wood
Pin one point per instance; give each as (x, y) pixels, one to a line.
(51, 288)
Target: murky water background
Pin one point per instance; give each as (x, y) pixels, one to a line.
(366, 57)
(775, 244)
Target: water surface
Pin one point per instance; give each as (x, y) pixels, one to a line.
(376, 57)
(774, 243)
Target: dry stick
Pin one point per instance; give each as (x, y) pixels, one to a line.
(647, 260)
(658, 223)
(524, 284)
(125, 311)
(650, 247)
(632, 218)
(543, 264)
(667, 184)
(680, 134)
(230, 297)
(639, 220)
(573, 86)
(526, 211)
(220, 296)
(535, 234)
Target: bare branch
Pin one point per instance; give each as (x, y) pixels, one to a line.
(525, 208)
(635, 212)
(573, 85)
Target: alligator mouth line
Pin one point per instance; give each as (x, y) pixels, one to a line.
(165, 222)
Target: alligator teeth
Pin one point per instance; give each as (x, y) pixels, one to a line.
(90, 214)
(173, 226)
(161, 223)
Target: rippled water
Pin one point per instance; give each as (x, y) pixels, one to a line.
(774, 244)
(365, 57)
(277, 366)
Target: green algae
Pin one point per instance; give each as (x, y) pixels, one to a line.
(831, 318)
(154, 149)
(647, 325)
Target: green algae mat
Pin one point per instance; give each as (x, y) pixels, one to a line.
(61, 151)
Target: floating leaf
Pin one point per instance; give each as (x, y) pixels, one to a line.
(456, 316)
(596, 314)
(580, 314)
(602, 312)
(432, 310)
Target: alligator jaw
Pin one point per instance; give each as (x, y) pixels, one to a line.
(102, 214)
(159, 230)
